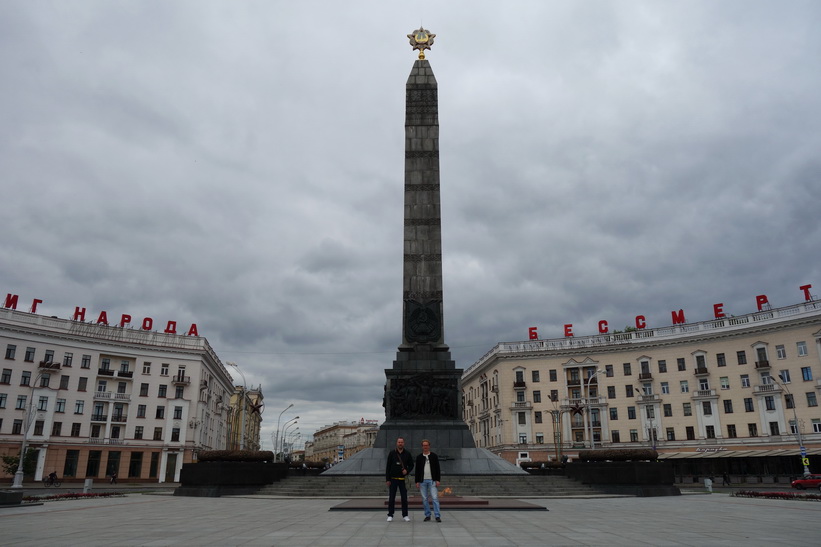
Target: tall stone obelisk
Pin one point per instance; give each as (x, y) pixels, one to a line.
(422, 390)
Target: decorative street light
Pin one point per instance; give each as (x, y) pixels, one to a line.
(556, 415)
(276, 435)
(285, 437)
(285, 427)
(589, 411)
(242, 402)
(804, 459)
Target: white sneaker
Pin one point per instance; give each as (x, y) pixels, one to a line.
(390, 519)
(406, 519)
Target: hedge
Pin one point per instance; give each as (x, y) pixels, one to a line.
(618, 455)
(236, 456)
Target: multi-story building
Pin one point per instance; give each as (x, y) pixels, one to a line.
(736, 388)
(245, 411)
(334, 443)
(93, 399)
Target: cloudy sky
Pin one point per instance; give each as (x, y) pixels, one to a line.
(239, 164)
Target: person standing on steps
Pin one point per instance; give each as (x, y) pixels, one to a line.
(428, 476)
(397, 467)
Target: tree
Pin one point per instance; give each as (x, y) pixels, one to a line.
(10, 463)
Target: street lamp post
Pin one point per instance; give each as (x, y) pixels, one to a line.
(556, 415)
(19, 474)
(804, 458)
(285, 427)
(589, 410)
(276, 436)
(242, 402)
(285, 437)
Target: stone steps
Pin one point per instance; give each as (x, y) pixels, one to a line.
(527, 486)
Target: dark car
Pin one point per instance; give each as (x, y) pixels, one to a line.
(810, 481)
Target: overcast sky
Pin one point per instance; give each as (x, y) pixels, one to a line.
(239, 165)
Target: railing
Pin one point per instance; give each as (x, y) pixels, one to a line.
(104, 440)
(49, 365)
(180, 380)
(704, 393)
(573, 382)
(702, 371)
(126, 374)
(99, 417)
(519, 385)
(648, 398)
(767, 388)
(105, 372)
(762, 364)
(646, 376)
(521, 405)
(119, 417)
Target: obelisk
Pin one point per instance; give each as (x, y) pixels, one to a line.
(422, 395)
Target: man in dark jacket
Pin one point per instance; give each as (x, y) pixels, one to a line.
(398, 466)
(428, 476)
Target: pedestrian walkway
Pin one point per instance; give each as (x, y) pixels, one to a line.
(157, 520)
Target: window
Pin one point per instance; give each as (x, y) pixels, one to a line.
(64, 382)
(82, 383)
(143, 390)
(105, 364)
(748, 404)
(534, 375)
(522, 438)
(17, 427)
(816, 426)
(537, 416)
(608, 371)
(163, 390)
(728, 406)
(522, 416)
(665, 388)
(520, 396)
(671, 434)
(115, 432)
(687, 409)
(662, 366)
(61, 405)
(164, 369)
(785, 376)
(121, 386)
(45, 379)
(539, 438)
(161, 413)
(29, 355)
(667, 409)
(552, 374)
(178, 413)
(146, 367)
(157, 433)
(5, 378)
(627, 369)
(11, 351)
(38, 427)
(179, 391)
(725, 382)
(21, 403)
(685, 386)
(811, 400)
(614, 435)
(3, 397)
(731, 432)
(721, 360)
(57, 429)
(42, 404)
(650, 410)
(102, 386)
(614, 413)
(703, 384)
(628, 390)
(75, 430)
(789, 401)
(25, 378)
(79, 406)
(700, 362)
(745, 380)
(49, 358)
(124, 366)
(67, 359)
(707, 408)
(691, 433)
(634, 435)
(611, 392)
(680, 363)
(774, 428)
(631, 413)
(140, 411)
(793, 427)
(537, 396)
(780, 352)
(742, 359)
(138, 432)
(711, 432)
(554, 394)
(801, 349)
(806, 373)
(86, 361)
(769, 402)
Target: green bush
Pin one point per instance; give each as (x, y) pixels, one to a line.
(618, 455)
(236, 456)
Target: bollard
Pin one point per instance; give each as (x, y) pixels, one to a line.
(87, 486)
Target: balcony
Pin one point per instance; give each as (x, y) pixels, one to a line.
(119, 418)
(646, 376)
(125, 374)
(704, 394)
(648, 399)
(49, 365)
(519, 385)
(702, 371)
(596, 423)
(760, 365)
(99, 417)
(180, 380)
(102, 440)
(105, 372)
(526, 405)
(574, 382)
(767, 388)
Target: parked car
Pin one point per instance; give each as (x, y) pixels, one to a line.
(810, 481)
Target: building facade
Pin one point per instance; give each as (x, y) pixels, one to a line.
(336, 442)
(735, 387)
(93, 399)
(245, 418)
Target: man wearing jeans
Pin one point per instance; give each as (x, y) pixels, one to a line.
(428, 476)
(399, 465)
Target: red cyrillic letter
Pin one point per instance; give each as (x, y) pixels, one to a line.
(147, 323)
(34, 304)
(531, 332)
(806, 289)
(125, 319)
(568, 330)
(103, 318)
(760, 300)
(641, 322)
(718, 310)
(171, 328)
(603, 328)
(11, 301)
(193, 330)
(678, 317)
(81, 313)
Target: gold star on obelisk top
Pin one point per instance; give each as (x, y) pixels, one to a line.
(421, 39)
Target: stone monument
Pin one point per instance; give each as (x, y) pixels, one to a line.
(422, 396)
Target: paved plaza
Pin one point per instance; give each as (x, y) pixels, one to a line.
(158, 520)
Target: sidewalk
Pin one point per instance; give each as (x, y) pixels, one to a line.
(157, 520)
